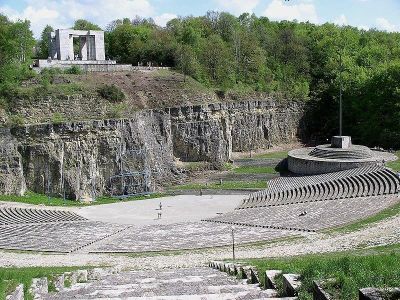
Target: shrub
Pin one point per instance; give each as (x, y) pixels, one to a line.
(73, 70)
(117, 111)
(57, 118)
(111, 93)
(17, 120)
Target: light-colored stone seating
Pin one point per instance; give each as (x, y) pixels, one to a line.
(361, 182)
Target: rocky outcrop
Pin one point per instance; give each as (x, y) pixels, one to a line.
(85, 159)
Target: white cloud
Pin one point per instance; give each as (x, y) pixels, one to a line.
(363, 27)
(237, 7)
(39, 17)
(163, 19)
(63, 13)
(384, 24)
(341, 20)
(303, 11)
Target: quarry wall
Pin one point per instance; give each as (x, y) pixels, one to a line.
(86, 159)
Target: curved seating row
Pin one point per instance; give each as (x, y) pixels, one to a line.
(17, 215)
(339, 154)
(55, 237)
(360, 182)
(311, 216)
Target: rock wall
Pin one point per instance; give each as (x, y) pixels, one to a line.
(211, 132)
(85, 159)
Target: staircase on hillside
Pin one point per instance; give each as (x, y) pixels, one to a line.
(191, 283)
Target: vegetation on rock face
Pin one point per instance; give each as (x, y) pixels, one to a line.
(111, 93)
(249, 53)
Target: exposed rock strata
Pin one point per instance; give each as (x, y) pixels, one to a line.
(82, 159)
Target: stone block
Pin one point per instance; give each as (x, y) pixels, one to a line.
(254, 275)
(343, 142)
(240, 272)
(319, 293)
(70, 277)
(291, 284)
(97, 273)
(81, 275)
(270, 275)
(39, 286)
(58, 282)
(379, 294)
(17, 294)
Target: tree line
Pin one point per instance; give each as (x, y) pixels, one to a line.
(301, 61)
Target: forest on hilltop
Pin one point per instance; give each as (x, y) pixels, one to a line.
(300, 61)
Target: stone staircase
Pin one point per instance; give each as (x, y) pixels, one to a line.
(191, 283)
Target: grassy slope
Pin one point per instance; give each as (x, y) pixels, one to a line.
(226, 185)
(378, 267)
(39, 199)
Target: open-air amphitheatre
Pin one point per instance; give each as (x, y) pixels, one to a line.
(143, 180)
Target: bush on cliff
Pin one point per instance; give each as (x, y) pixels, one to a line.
(111, 92)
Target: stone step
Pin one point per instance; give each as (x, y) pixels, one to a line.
(192, 283)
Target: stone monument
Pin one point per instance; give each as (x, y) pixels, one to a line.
(91, 45)
(90, 56)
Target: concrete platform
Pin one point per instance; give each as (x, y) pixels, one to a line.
(175, 209)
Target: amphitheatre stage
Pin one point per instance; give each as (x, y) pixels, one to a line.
(291, 206)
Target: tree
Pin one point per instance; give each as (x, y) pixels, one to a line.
(186, 61)
(82, 24)
(44, 42)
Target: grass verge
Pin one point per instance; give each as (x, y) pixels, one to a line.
(272, 155)
(375, 267)
(226, 185)
(255, 170)
(395, 165)
(40, 199)
(11, 277)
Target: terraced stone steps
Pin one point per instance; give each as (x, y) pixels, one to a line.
(355, 183)
(291, 282)
(192, 283)
(55, 237)
(17, 215)
(308, 216)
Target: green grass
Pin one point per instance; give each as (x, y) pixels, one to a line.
(226, 185)
(11, 277)
(255, 170)
(273, 155)
(40, 199)
(395, 165)
(376, 267)
(384, 214)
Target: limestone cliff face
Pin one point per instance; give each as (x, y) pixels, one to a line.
(211, 132)
(119, 157)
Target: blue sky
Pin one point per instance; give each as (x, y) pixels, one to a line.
(381, 14)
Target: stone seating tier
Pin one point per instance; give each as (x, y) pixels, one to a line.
(361, 182)
(308, 216)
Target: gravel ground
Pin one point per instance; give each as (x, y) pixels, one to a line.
(381, 233)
